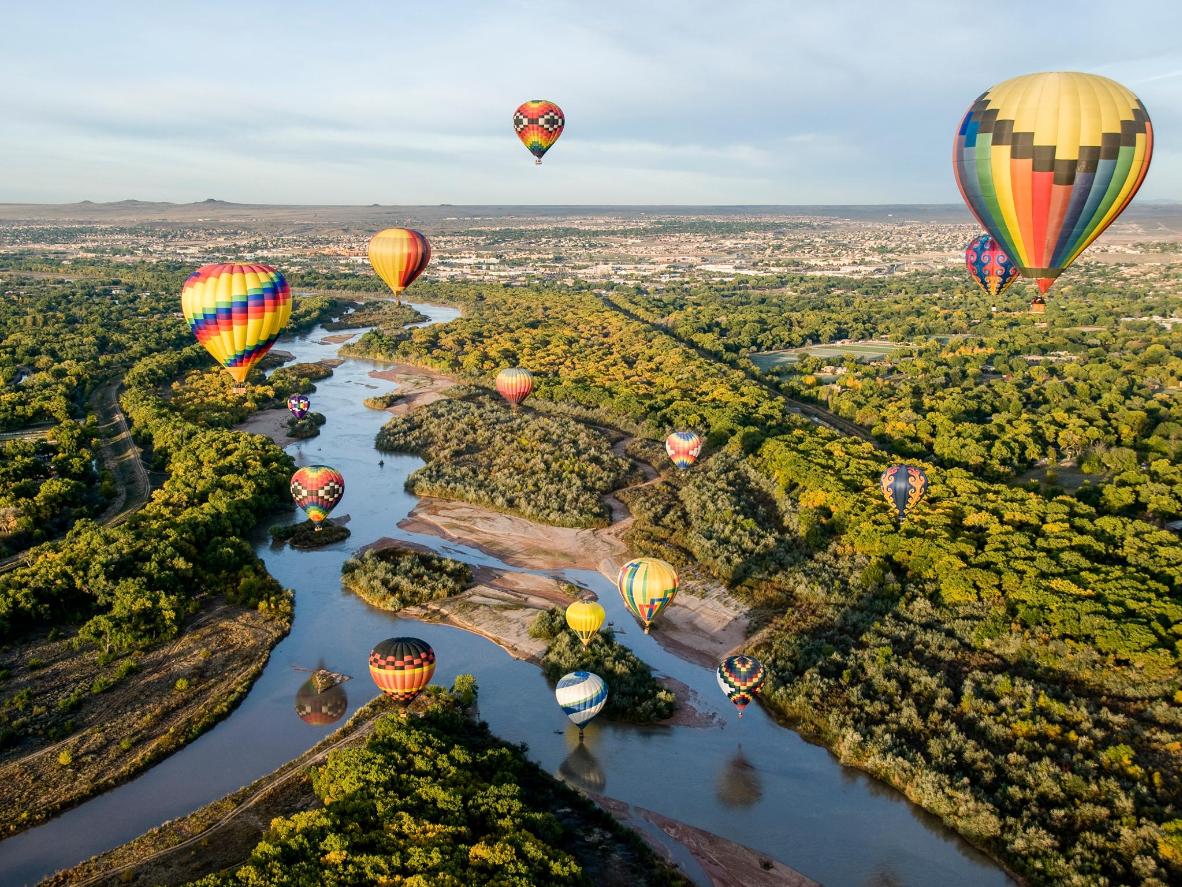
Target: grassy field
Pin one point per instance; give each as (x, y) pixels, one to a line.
(865, 350)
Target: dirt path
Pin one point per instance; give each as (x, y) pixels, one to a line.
(120, 456)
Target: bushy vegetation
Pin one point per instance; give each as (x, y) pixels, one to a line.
(133, 584)
(546, 468)
(894, 646)
(307, 427)
(48, 484)
(633, 693)
(433, 798)
(309, 534)
(394, 578)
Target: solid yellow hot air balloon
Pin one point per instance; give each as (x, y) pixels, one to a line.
(399, 255)
(585, 618)
(236, 312)
(647, 586)
(1047, 161)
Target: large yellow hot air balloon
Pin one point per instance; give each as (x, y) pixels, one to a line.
(1046, 162)
(647, 586)
(399, 255)
(236, 312)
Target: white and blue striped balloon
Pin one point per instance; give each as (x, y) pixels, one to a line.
(582, 696)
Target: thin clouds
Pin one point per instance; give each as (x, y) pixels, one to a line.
(668, 102)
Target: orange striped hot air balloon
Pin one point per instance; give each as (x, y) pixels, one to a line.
(402, 667)
(236, 312)
(399, 255)
(515, 384)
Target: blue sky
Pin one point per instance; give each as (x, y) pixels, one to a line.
(666, 102)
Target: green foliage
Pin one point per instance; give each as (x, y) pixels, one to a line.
(437, 800)
(385, 314)
(546, 468)
(309, 534)
(394, 578)
(309, 426)
(634, 694)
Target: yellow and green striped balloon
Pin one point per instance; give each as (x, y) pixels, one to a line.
(647, 585)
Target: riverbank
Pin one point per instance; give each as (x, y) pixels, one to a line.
(417, 386)
(156, 702)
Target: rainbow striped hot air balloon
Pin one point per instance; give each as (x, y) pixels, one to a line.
(989, 266)
(236, 312)
(903, 486)
(515, 384)
(298, 405)
(582, 696)
(399, 255)
(683, 448)
(1047, 161)
(320, 709)
(647, 585)
(585, 618)
(739, 677)
(317, 489)
(538, 123)
(402, 667)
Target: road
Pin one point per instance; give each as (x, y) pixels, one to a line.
(820, 414)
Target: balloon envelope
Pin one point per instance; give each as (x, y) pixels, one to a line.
(740, 677)
(399, 255)
(585, 618)
(402, 667)
(236, 312)
(582, 696)
(538, 123)
(515, 384)
(1047, 161)
(647, 586)
(989, 266)
(317, 489)
(299, 405)
(683, 448)
(903, 486)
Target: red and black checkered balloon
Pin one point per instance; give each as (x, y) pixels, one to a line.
(317, 489)
(402, 667)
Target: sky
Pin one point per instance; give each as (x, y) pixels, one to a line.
(679, 102)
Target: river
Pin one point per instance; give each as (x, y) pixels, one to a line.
(751, 781)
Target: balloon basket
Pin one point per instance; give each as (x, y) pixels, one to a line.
(538, 162)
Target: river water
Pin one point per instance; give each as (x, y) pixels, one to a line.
(747, 780)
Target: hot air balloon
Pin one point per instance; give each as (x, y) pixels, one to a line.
(402, 667)
(740, 677)
(299, 405)
(538, 123)
(317, 489)
(515, 384)
(399, 255)
(236, 312)
(989, 266)
(647, 586)
(320, 708)
(582, 696)
(903, 486)
(1047, 161)
(585, 618)
(683, 448)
